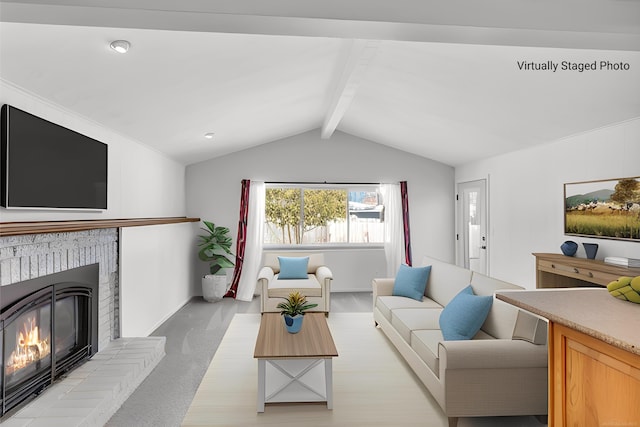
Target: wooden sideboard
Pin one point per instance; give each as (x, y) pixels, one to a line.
(560, 271)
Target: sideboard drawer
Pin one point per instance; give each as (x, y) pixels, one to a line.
(594, 276)
(557, 267)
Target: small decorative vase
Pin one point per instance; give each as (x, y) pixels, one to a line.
(293, 324)
(569, 248)
(591, 249)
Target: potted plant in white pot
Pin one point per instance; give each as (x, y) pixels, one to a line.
(215, 245)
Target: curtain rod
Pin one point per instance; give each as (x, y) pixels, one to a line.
(321, 182)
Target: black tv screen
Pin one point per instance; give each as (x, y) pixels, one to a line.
(47, 166)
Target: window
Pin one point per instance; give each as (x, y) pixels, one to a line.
(323, 215)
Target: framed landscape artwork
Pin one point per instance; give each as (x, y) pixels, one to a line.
(608, 209)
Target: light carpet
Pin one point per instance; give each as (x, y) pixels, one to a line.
(372, 384)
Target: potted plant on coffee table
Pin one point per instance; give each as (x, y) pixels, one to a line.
(293, 309)
(215, 245)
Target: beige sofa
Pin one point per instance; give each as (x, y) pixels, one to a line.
(501, 371)
(316, 287)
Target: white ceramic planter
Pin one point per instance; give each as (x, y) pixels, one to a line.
(214, 286)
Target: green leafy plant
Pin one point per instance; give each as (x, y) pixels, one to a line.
(295, 304)
(215, 245)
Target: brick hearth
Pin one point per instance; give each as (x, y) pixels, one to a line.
(93, 392)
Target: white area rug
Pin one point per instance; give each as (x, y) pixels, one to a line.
(372, 384)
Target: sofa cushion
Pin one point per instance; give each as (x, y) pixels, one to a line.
(502, 317)
(500, 320)
(405, 320)
(411, 281)
(309, 287)
(425, 343)
(462, 318)
(293, 267)
(445, 280)
(530, 327)
(485, 285)
(387, 303)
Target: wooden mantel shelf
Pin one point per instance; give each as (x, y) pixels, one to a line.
(39, 227)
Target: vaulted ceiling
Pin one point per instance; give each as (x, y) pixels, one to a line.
(447, 80)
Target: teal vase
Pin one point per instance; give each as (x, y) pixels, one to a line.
(293, 324)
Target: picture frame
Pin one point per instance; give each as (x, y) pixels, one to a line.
(606, 209)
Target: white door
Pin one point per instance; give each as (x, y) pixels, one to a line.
(471, 236)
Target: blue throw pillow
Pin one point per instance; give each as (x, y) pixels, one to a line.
(411, 281)
(463, 317)
(293, 267)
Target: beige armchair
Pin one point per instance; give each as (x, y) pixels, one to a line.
(316, 287)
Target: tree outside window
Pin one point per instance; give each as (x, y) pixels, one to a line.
(311, 216)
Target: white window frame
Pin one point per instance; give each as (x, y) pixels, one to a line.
(327, 186)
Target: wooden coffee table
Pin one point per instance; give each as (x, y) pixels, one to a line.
(290, 365)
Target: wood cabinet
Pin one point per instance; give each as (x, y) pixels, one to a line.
(560, 271)
(591, 383)
(594, 354)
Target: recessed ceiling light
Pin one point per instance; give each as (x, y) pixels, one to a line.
(209, 135)
(120, 46)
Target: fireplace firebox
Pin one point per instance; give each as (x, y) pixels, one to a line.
(49, 326)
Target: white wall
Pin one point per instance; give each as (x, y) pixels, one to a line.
(213, 192)
(155, 271)
(142, 183)
(526, 196)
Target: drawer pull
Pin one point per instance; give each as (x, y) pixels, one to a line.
(553, 266)
(575, 270)
(590, 274)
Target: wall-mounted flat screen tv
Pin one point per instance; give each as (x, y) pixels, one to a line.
(47, 166)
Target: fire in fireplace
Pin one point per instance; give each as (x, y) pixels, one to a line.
(31, 348)
(48, 327)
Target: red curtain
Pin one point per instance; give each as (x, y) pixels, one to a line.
(405, 222)
(241, 241)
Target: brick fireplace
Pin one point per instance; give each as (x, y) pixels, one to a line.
(92, 392)
(30, 256)
(40, 275)
(120, 365)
